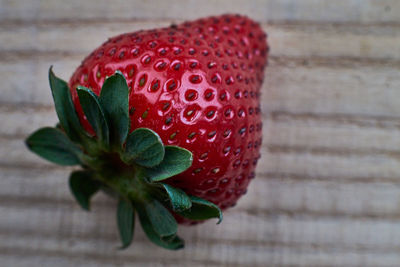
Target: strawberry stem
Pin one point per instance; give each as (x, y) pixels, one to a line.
(132, 168)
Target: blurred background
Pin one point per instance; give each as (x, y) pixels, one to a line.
(327, 191)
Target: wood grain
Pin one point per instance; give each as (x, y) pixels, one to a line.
(289, 40)
(367, 11)
(327, 191)
(280, 193)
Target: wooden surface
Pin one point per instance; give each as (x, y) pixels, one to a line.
(327, 191)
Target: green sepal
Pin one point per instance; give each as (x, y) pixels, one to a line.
(202, 210)
(178, 199)
(176, 160)
(83, 187)
(52, 144)
(174, 243)
(114, 99)
(159, 225)
(161, 220)
(144, 147)
(104, 162)
(95, 114)
(65, 107)
(125, 221)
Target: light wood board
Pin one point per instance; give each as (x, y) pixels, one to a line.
(327, 191)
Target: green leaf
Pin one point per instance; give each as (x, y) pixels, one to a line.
(174, 243)
(176, 160)
(83, 187)
(114, 99)
(202, 210)
(160, 219)
(159, 225)
(64, 107)
(126, 222)
(144, 147)
(179, 200)
(95, 114)
(52, 144)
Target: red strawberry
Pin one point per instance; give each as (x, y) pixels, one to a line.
(196, 85)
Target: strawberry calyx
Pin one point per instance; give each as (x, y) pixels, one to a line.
(131, 166)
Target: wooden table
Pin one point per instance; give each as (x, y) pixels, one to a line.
(327, 191)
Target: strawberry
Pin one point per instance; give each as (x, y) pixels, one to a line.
(166, 120)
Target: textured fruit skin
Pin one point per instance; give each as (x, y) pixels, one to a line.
(198, 86)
